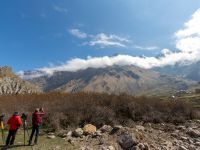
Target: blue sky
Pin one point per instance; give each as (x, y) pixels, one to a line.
(38, 33)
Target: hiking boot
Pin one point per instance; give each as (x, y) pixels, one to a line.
(30, 144)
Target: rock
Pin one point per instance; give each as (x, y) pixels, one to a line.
(140, 128)
(89, 129)
(110, 148)
(182, 148)
(106, 128)
(197, 143)
(71, 141)
(193, 133)
(116, 129)
(184, 138)
(127, 141)
(69, 134)
(57, 148)
(98, 133)
(51, 136)
(141, 146)
(181, 127)
(102, 141)
(174, 135)
(192, 147)
(51, 133)
(62, 134)
(146, 146)
(152, 146)
(85, 148)
(78, 133)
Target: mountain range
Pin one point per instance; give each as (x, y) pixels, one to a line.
(114, 79)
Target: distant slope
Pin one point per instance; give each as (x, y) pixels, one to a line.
(129, 79)
(191, 72)
(12, 84)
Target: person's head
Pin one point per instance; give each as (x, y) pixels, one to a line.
(15, 113)
(41, 109)
(37, 110)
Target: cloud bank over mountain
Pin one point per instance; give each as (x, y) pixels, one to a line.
(187, 45)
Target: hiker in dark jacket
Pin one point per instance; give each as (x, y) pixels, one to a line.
(14, 123)
(36, 122)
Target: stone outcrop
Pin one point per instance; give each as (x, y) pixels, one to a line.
(6, 72)
(12, 84)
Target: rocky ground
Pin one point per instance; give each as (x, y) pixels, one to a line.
(138, 137)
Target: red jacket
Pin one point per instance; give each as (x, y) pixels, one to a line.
(37, 118)
(14, 122)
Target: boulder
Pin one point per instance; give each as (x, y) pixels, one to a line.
(106, 128)
(89, 129)
(78, 132)
(127, 141)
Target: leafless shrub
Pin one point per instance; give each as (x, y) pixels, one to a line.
(69, 110)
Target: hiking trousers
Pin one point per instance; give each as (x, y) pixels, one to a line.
(35, 130)
(11, 137)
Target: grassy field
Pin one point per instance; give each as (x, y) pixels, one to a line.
(44, 143)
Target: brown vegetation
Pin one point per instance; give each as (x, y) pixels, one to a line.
(70, 110)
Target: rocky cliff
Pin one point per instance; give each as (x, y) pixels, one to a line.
(12, 84)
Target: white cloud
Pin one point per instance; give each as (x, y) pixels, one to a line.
(77, 33)
(104, 40)
(187, 43)
(191, 27)
(60, 9)
(188, 38)
(149, 48)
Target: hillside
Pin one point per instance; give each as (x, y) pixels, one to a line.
(12, 84)
(191, 71)
(116, 79)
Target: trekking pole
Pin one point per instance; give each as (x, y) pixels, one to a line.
(26, 127)
(2, 127)
(24, 118)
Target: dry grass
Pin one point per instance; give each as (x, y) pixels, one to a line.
(71, 110)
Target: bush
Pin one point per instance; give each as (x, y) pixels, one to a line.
(71, 110)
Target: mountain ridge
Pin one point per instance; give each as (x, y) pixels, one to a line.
(114, 79)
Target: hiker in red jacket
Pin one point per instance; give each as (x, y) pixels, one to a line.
(36, 122)
(14, 123)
